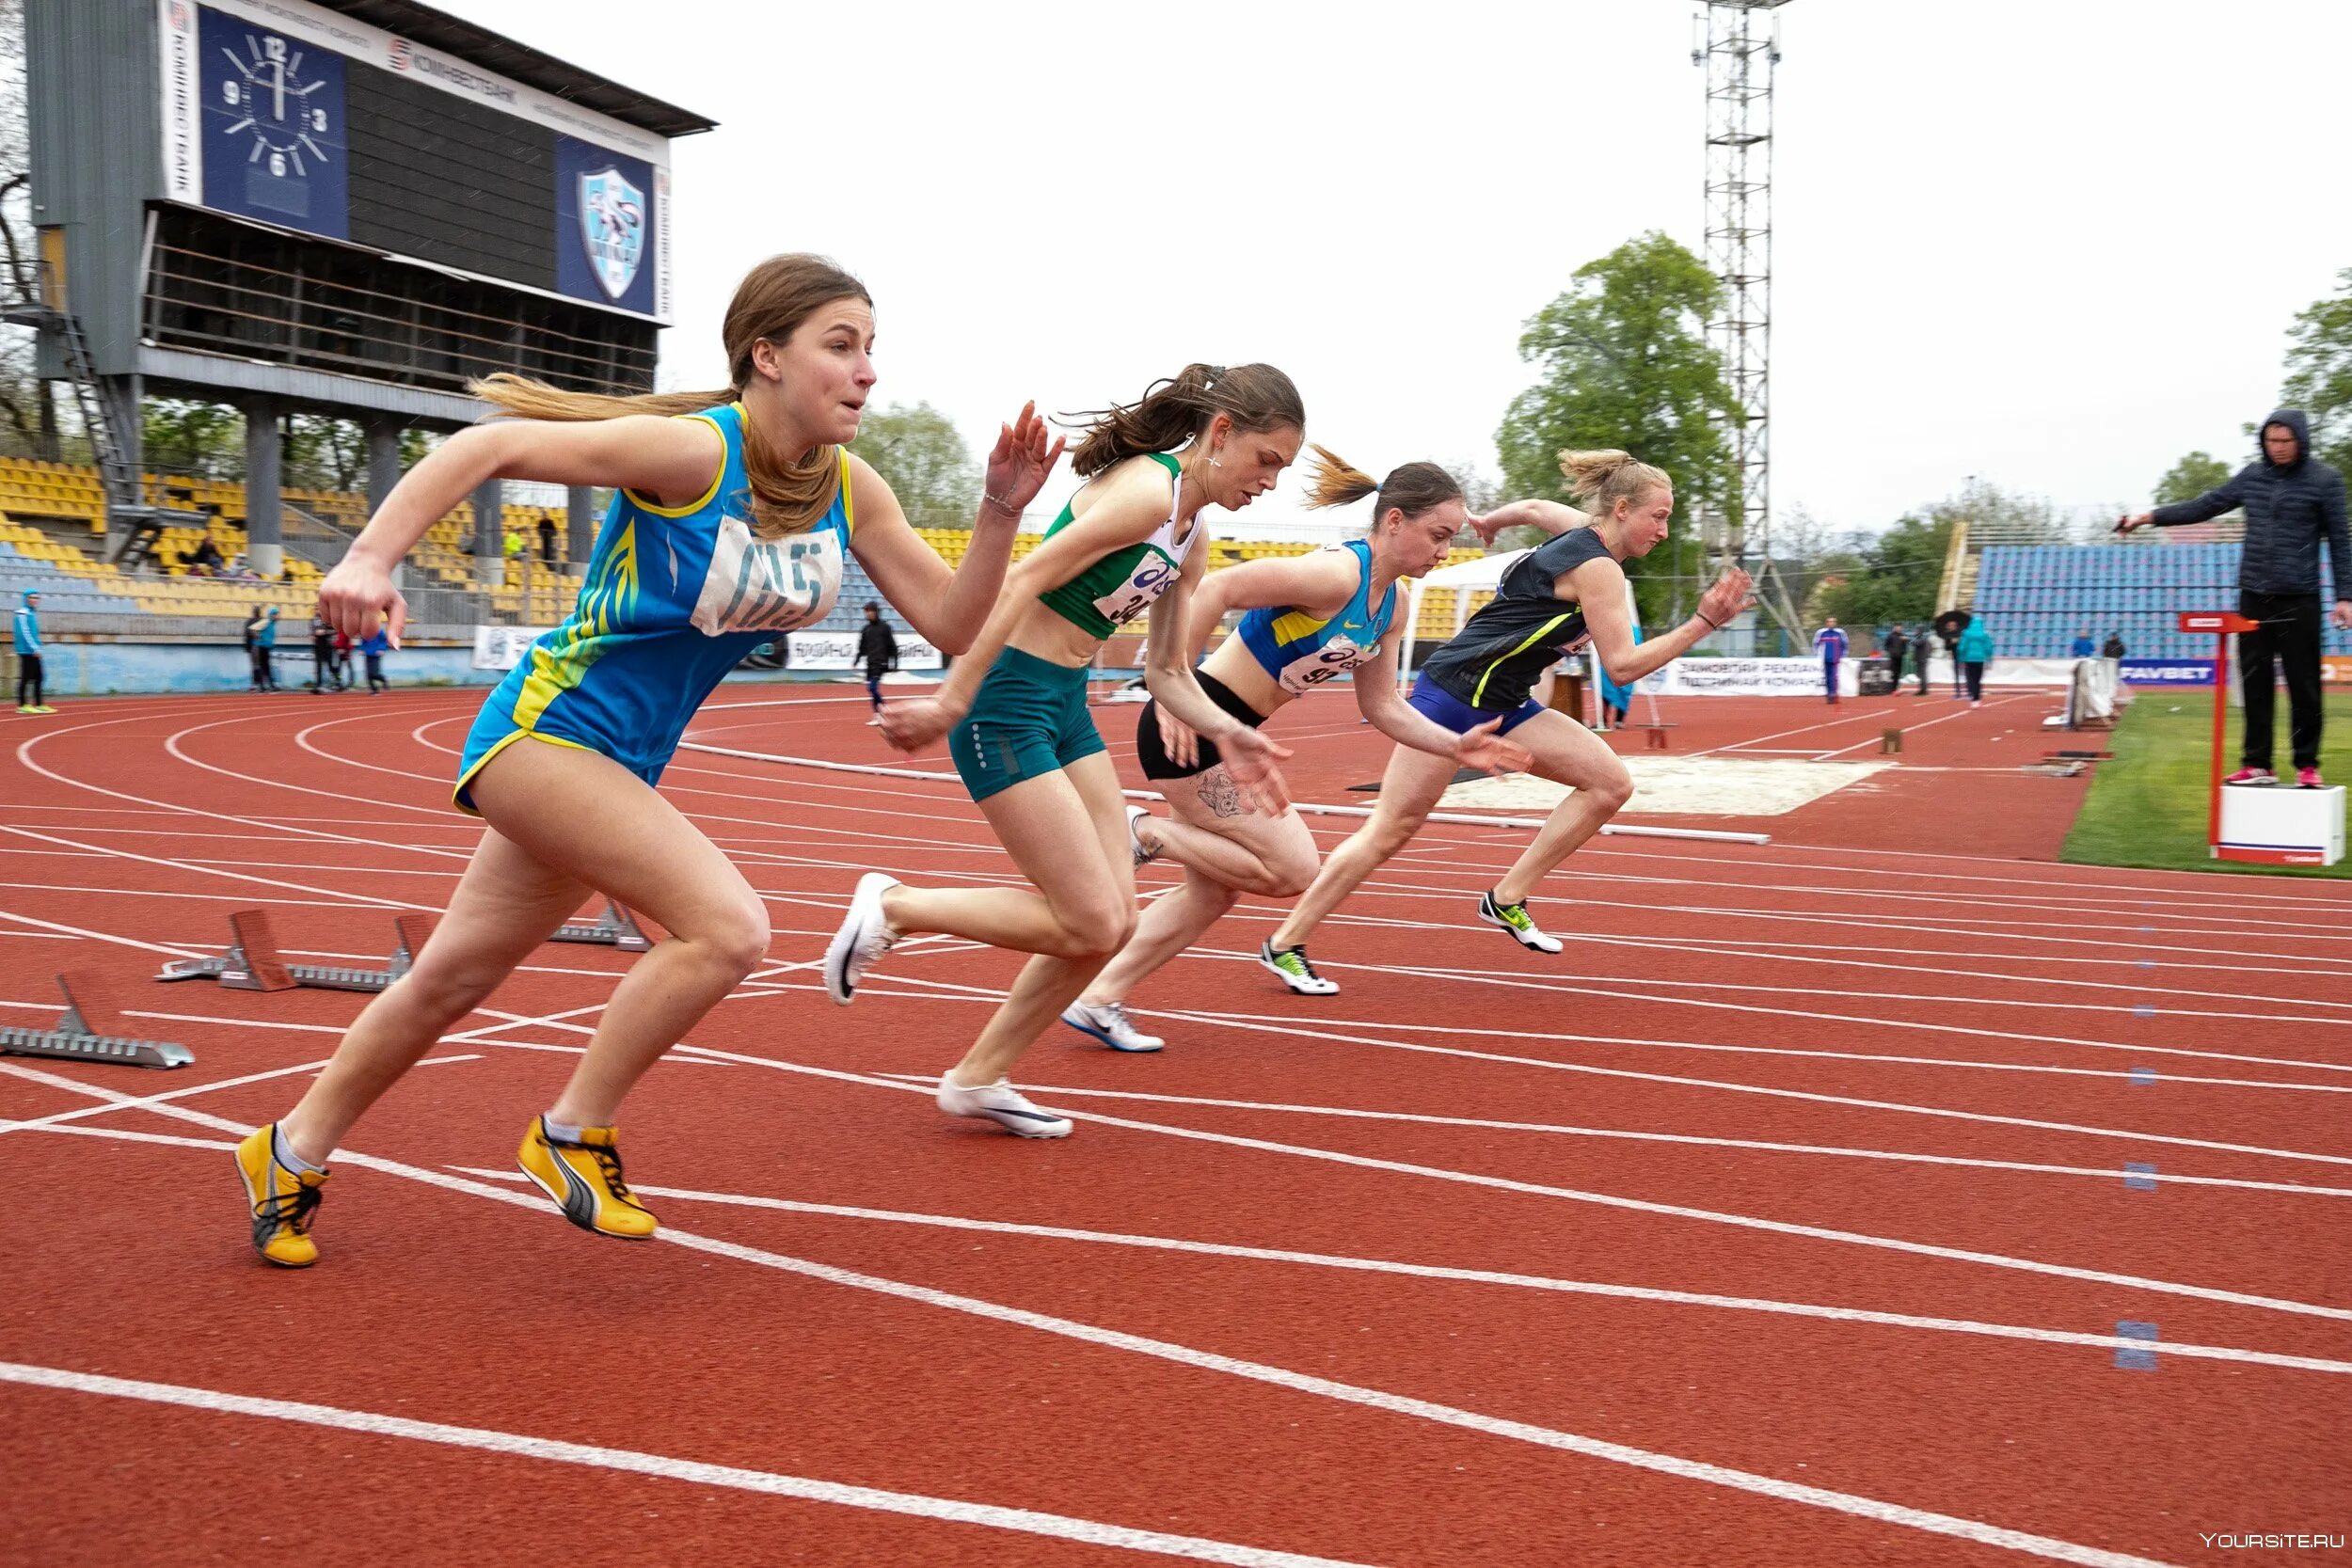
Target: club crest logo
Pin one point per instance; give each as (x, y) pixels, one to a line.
(613, 226)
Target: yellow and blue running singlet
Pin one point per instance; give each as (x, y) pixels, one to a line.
(1300, 652)
(674, 598)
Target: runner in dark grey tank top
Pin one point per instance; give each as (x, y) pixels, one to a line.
(1558, 596)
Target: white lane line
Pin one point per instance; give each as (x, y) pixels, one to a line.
(1257, 1023)
(1599, 1199)
(144, 1102)
(1619, 1453)
(667, 1467)
(1473, 1277)
(2101, 1173)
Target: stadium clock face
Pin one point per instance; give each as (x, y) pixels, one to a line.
(276, 108)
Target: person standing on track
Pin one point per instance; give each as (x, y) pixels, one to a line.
(879, 649)
(1310, 618)
(1975, 652)
(2293, 500)
(1024, 742)
(373, 648)
(1830, 642)
(322, 653)
(728, 526)
(1561, 595)
(27, 630)
(1896, 644)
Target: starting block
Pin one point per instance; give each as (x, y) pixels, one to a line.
(252, 961)
(1890, 743)
(615, 928)
(1657, 737)
(88, 1032)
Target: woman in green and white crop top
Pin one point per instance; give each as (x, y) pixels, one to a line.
(1013, 711)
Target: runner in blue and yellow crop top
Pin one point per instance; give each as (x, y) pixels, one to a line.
(673, 597)
(730, 527)
(1307, 620)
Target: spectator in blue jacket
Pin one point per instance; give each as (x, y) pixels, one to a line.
(261, 641)
(2292, 501)
(2084, 647)
(373, 646)
(1831, 645)
(1975, 652)
(28, 649)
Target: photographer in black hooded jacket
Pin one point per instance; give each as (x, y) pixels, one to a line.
(2292, 501)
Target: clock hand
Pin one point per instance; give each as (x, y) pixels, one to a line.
(280, 88)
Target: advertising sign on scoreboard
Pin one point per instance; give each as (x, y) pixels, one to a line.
(286, 113)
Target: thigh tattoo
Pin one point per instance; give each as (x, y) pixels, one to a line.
(1217, 793)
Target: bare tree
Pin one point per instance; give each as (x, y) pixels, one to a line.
(27, 404)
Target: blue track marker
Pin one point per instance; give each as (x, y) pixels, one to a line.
(2140, 1176)
(2143, 1009)
(2143, 1075)
(2145, 963)
(2132, 1359)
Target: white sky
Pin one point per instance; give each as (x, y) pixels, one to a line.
(2056, 243)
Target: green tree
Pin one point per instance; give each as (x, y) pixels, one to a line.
(1892, 578)
(187, 436)
(2319, 372)
(2190, 478)
(1625, 363)
(922, 455)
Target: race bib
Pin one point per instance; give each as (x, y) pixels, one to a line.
(767, 584)
(1335, 658)
(1153, 576)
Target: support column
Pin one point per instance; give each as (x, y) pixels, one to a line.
(264, 516)
(580, 530)
(489, 533)
(384, 472)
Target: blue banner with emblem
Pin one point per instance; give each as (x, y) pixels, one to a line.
(605, 227)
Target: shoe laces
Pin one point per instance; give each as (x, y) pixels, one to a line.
(1515, 914)
(290, 1210)
(608, 1159)
(1295, 959)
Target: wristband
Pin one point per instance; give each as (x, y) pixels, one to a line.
(999, 502)
(1712, 626)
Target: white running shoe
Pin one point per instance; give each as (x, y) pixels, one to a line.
(1515, 919)
(1296, 972)
(1136, 815)
(1108, 1021)
(875, 722)
(1003, 1104)
(864, 936)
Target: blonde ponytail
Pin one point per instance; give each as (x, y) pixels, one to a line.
(1599, 480)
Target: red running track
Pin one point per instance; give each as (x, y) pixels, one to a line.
(1782, 1219)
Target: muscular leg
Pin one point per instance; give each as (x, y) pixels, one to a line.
(1565, 752)
(1408, 789)
(1166, 927)
(535, 867)
(1091, 884)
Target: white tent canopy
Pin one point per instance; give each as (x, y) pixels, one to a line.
(1464, 576)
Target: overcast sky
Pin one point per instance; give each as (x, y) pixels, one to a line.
(2053, 243)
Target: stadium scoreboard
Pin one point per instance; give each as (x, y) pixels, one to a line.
(289, 114)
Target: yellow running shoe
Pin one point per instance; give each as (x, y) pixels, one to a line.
(585, 1179)
(283, 1201)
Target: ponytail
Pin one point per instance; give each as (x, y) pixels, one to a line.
(1412, 488)
(1174, 411)
(1599, 480)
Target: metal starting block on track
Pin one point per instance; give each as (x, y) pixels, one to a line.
(86, 1033)
(252, 962)
(615, 928)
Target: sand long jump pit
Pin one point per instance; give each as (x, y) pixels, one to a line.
(1681, 786)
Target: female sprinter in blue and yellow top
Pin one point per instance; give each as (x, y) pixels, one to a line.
(1023, 740)
(1561, 595)
(728, 526)
(1312, 618)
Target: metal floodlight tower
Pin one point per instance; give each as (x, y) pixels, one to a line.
(1739, 49)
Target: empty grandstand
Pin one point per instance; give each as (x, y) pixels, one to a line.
(2036, 599)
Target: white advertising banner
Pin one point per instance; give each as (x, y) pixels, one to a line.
(1751, 678)
(502, 647)
(837, 650)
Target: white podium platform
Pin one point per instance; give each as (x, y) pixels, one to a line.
(2281, 825)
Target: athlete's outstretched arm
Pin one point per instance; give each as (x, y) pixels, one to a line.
(1392, 716)
(949, 607)
(1598, 586)
(672, 459)
(1551, 517)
